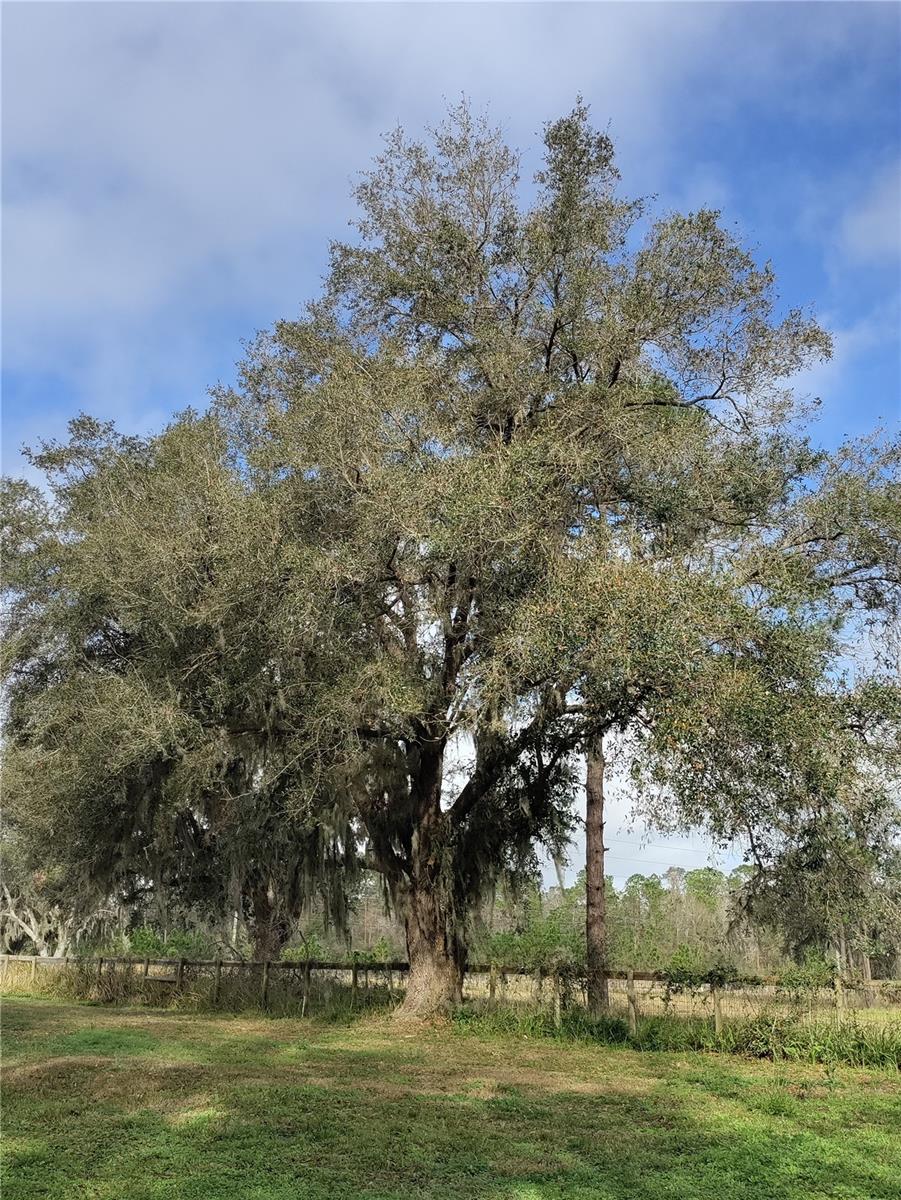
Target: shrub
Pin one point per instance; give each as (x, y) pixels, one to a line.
(800, 981)
(311, 949)
(382, 951)
(685, 973)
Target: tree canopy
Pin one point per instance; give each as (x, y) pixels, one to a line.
(527, 472)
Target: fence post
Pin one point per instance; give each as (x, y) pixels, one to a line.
(390, 975)
(839, 986)
(34, 967)
(539, 985)
(5, 966)
(867, 973)
(633, 1001)
(366, 984)
(354, 981)
(717, 1009)
(99, 970)
(179, 974)
(217, 982)
(558, 1001)
(306, 988)
(264, 990)
(492, 981)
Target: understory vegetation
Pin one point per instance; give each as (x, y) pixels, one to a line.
(689, 924)
(772, 1035)
(791, 1022)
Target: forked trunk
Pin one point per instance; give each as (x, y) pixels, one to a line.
(595, 886)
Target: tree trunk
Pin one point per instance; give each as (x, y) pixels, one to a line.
(842, 950)
(595, 893)
(62, 944)
(558, 867)
(866, 970)
(434, 947)
(435, 980)
(269, 930)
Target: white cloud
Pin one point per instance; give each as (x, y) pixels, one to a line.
(876, 330)
(168, 167)
(871, 231)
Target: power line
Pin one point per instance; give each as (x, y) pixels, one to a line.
(649, 862)
(660, 846)
(645, 862)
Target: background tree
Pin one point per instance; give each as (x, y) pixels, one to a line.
(143, 739)
(827, 876)
(40, 912)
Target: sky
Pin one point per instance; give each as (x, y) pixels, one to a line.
(173, 172)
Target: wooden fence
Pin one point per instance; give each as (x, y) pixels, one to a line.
(632, 993)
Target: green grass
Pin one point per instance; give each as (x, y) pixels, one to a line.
(851, 1041)
(136, 1104)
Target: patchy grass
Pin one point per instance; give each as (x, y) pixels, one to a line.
(119, 1104)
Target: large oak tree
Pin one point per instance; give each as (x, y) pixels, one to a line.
(527, 473)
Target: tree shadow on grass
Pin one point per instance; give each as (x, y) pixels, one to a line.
(141, 1131)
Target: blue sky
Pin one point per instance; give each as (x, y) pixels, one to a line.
(172, 172)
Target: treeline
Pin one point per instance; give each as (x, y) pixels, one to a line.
(693, 921)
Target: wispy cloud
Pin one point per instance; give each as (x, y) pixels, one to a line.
(172, 172)
(871, 230)
(854, 397)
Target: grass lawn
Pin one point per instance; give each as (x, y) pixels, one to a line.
(126, 1104)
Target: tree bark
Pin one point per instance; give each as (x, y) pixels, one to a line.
(434, 947)
(435, 980)
(866, 971)
(595, 888)
(558, 868)
(269, 930)
(842, 950)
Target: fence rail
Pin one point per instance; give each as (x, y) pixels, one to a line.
(315, 964)
(632, 994)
